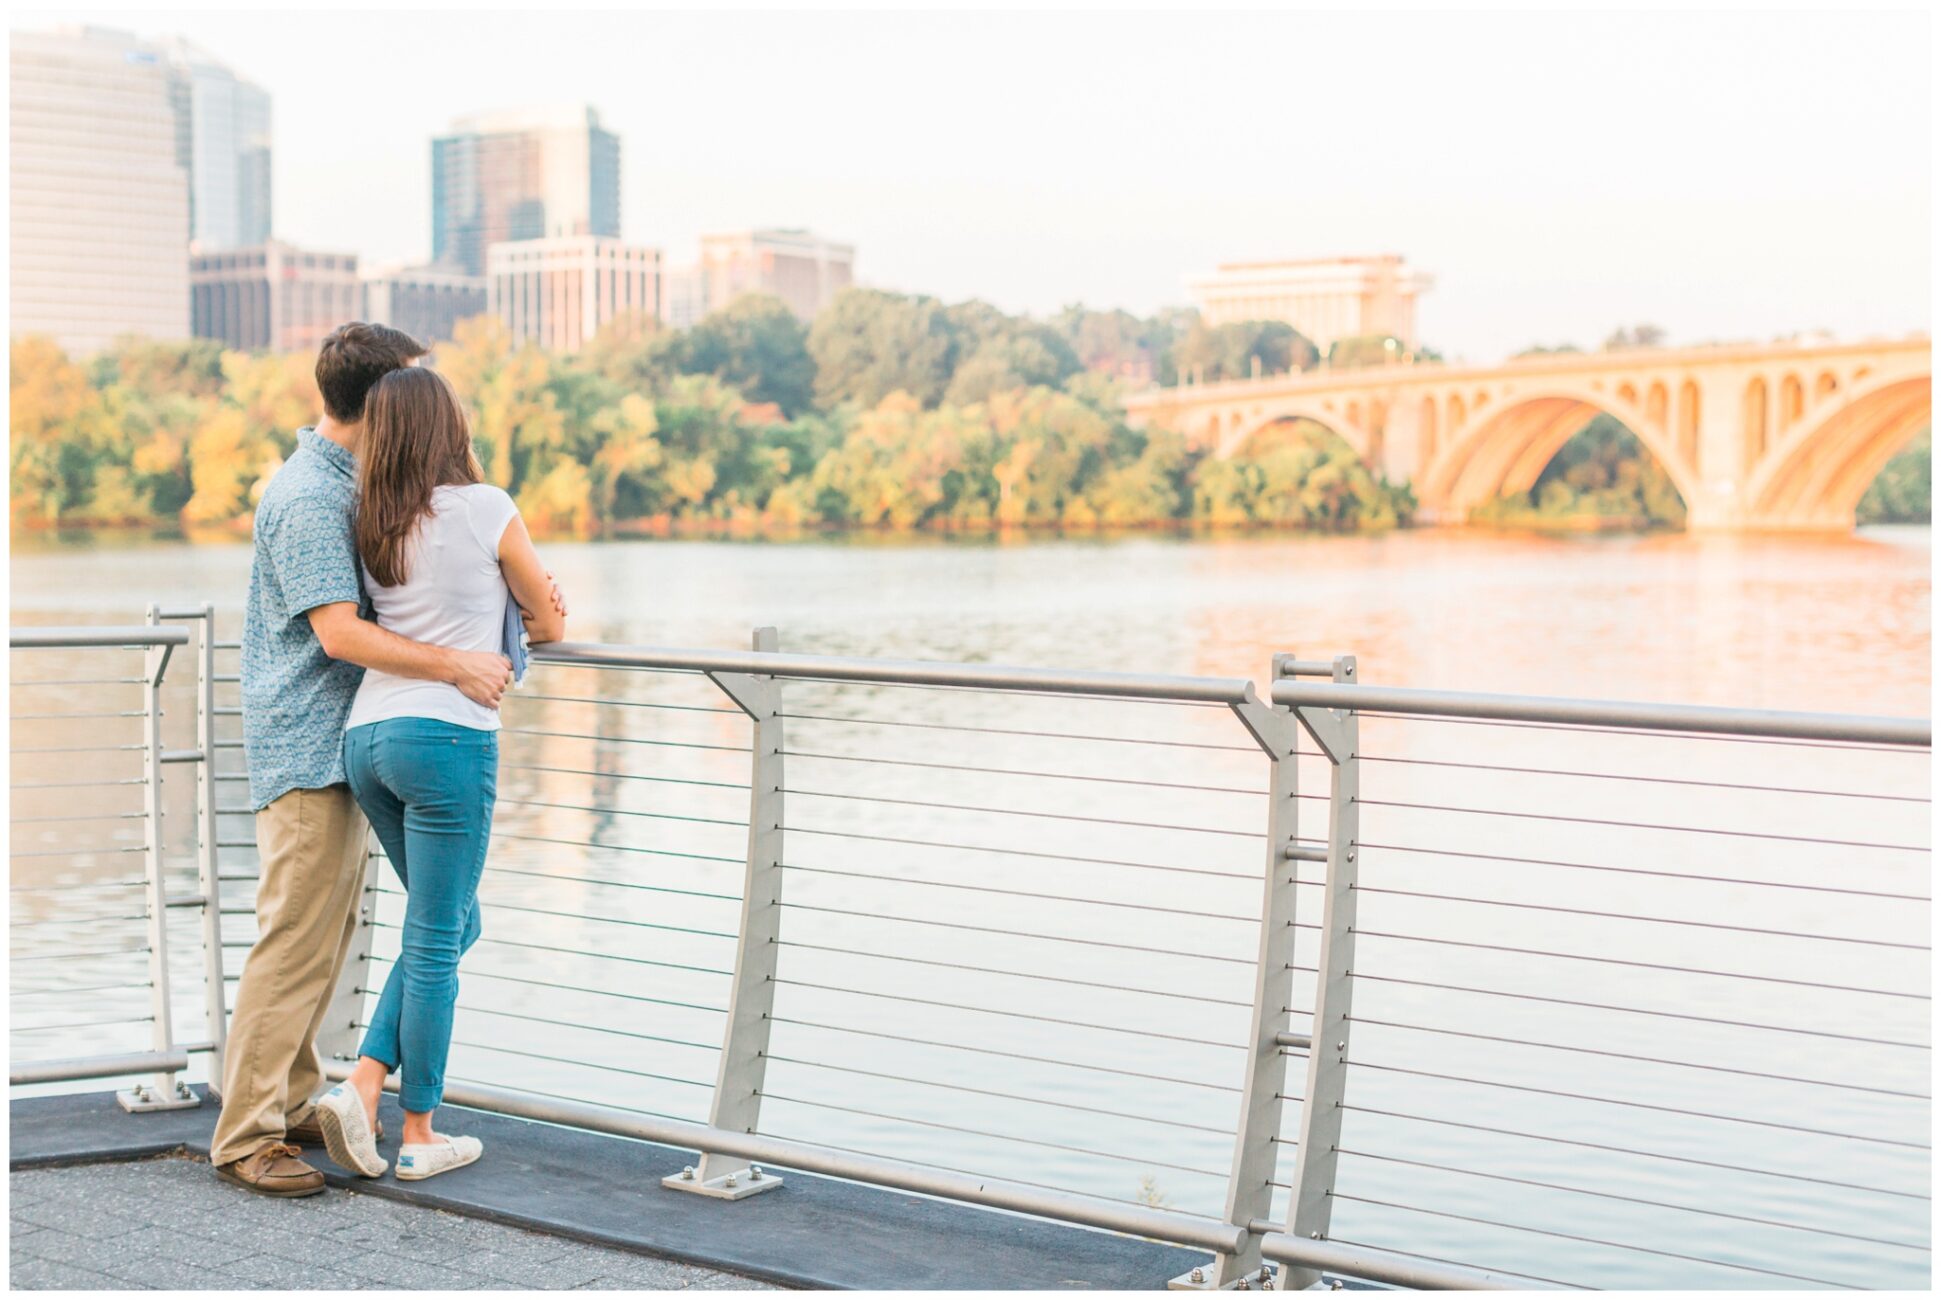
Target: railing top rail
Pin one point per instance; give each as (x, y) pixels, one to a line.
(139, 634)
(1625, 715)
(908, 672)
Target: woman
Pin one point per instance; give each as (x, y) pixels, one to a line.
(440, 550)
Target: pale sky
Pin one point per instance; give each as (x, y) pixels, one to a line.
(1724, 175)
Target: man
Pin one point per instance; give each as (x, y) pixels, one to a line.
(305, 648)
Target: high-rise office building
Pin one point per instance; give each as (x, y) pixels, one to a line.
(559, 292)
(425, 302)
(1326, 299)
(223, 137)
(804, 270)
(530, 174)
(98, 196)
(274, 296)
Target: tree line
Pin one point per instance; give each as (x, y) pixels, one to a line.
(890, 411)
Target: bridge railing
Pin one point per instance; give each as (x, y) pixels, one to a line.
(1607, 994)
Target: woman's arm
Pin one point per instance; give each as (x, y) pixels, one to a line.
(531, 585)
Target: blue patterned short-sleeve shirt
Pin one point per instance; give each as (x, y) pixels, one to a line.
(296, 697)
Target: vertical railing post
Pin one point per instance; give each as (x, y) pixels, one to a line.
(166, 1092)
(207, 858)
(751, 1000)
(1250, 1187)
(1338, 732)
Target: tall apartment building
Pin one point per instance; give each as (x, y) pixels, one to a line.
(223, 138)
(804, 270)
(98, 196)
(1326, 299)
(426, 302)
(529, 174)
(274, 296)
(559, 292)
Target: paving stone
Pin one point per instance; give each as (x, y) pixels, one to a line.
(169, 1224)
(28, 1273)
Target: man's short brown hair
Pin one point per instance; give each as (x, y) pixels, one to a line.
(354, 358)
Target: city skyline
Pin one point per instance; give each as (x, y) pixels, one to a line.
(1734, 184)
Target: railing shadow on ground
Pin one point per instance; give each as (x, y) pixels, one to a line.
(1604, 994)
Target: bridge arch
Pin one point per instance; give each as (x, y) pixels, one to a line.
(1335, 422)
(1817, 473)
(1508, 451)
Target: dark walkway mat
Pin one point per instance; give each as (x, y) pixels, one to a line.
(813, 1232)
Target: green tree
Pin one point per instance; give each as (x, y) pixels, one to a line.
(868, 344)
(1243, 348)
(756, 345)
(1904, 491)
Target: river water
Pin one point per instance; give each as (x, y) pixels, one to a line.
(1633, 1007)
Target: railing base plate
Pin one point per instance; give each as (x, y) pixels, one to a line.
(1201, 1279)
(736, 1186)
(138, 1101)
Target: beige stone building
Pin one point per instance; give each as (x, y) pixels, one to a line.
(275, 296)
(1326, 299)
(559, 292)
(802, 269)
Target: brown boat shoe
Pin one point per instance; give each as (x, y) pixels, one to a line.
(310, 1132)
(273, 1170)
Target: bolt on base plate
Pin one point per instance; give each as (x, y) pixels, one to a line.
(140, 1100)
(735, 1186)
(1201, 1279)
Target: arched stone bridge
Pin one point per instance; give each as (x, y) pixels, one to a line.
(1781, 436)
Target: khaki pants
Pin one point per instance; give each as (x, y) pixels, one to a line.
(312, 845)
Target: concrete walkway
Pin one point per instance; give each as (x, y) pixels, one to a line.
(169, 1224)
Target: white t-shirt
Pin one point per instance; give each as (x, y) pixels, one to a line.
(453, 595)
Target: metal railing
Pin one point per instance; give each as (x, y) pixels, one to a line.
(1534, 985)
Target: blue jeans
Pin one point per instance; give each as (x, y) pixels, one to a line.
(428, 788)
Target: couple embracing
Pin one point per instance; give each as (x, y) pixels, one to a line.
(389, 588)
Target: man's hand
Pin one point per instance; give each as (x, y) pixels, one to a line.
(481, 676)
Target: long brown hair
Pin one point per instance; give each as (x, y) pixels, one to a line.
(416, 438)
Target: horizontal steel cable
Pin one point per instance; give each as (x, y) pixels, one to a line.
(1022, 812)
(1025, 692)
(624, 740)
(1650, 780)
(1592, 1241)
(566, 988)
(74, 920)
(1009, 1015)
(560, 1096)
(1022, 853)
(616, 848)
(1019, 934)
(557, 1023)
(1643, 826)
(1639, 871)
(1642, 1105)
(616, 776)
(81, 817)
(1042, 775)
(1002, 1096)
(65, 717)
(1646, 965)
(77, 956)
(1015, 1056)
(99, 850)
(86, 785)
(1648, 1060)
(86, 988)
(582, 952)
(588, 1065)
(624, 812)
(1022, 893)
(1645, 1011)
(614, 884)
(1438, 1259)
(1630, 916)
(626, 704)
(1638, 1200)
(76, 749)
(1016, 974)
(1000, 1137)
(69, 889)
(580, 916)
(79, 1024)
(17, 683)
(1016, 731)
